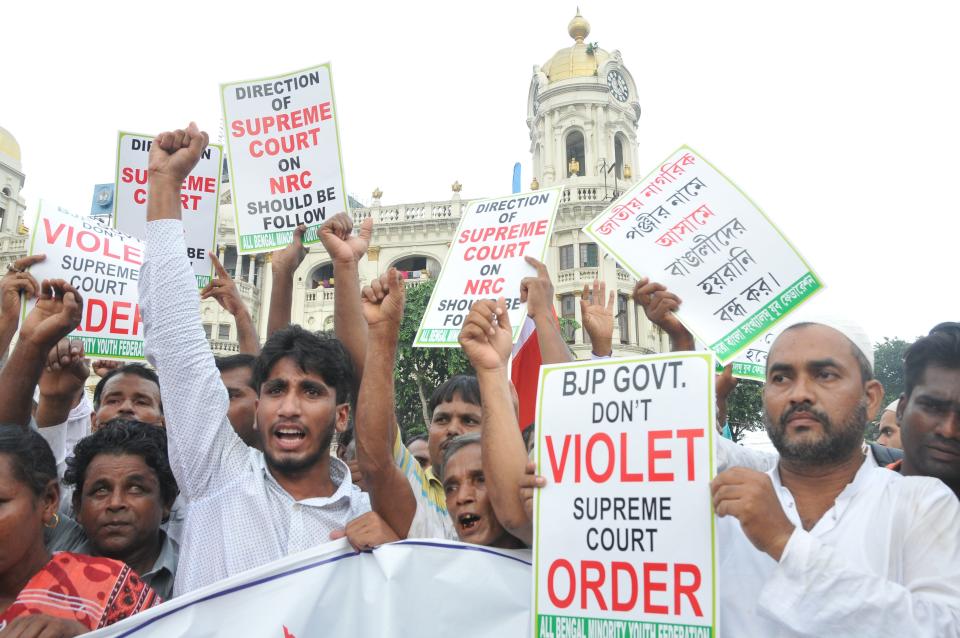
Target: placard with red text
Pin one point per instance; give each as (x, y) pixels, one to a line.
(624, 539)
(486, 260)
(199, 199)
(103, 264)
(687, 226)
(283, 145)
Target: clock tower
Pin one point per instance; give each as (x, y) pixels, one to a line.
(582, 112)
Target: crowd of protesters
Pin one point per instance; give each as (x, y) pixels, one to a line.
(197, 468)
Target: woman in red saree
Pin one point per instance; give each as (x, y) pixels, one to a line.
(65, 594)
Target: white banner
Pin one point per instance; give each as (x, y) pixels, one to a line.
(624, 532)
(103, 264)
(284, 150)
(199, 199)
(487, 260)
(406, 589)
(690, 228)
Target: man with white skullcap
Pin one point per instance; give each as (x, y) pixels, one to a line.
(889, 430)
(827, 542)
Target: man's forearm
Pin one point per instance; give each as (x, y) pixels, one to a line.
(682, 342)
(553, 349)
(503, 452)
(247, 338)
(348, 322)
(17, 380)
(8, 328)
(163, 200)
(390, 493)
(281, 300)
(55, 409)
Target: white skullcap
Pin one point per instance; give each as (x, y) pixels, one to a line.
(892, 407)
(849, 329)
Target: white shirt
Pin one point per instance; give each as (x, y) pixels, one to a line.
(883, 561)
(62, 438)
(239, 516)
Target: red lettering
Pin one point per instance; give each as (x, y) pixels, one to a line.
(625, 475)
(289, 183)
(653, 454)
(588, 584)
(88, 315)
(595, 476)
(90, 247)
(130, 175)
(118, 316)
(52, 238)
(325, 113)
(650, 586)
(132, 254)
(561, 603)
(140, 196)
(679, 589)
(557, 468)
(189, 202)
(690, 435)
(616, 567)
(106, 250)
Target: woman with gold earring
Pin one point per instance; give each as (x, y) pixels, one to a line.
(62, 594)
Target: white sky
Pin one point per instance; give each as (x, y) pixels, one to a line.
(838, 118)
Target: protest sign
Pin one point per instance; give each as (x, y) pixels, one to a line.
(332, 590)
(751, 363)
(283, 145)
(199, 199)
(688, 227)
(487, 260)
(103, 264)
(624, 539)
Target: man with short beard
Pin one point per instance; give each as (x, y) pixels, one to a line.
(827, 542)
(247, 507)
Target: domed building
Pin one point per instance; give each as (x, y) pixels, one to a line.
(582, 114)
(12, 205)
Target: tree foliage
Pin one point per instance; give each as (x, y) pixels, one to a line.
(420, 371)
(745, 408)
(888, 367)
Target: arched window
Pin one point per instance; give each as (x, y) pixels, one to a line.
(575, 151)
(618, 155)
(418, 267)
(320, 277)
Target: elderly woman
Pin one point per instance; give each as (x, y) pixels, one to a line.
(57, 595)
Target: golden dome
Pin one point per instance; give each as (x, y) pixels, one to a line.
(577, 61)
(9, 145)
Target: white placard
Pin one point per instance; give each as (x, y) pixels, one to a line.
(199, 199)
(624, 540)
(104, 264)
(283, 146)
(487, 260)
(688, 227)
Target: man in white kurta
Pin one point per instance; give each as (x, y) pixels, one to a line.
(827, 543)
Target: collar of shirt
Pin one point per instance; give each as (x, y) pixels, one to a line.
(167, 559)
(432, 478)
(831, 516)
(339, 476)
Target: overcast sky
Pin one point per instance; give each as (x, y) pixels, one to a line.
(839, 119)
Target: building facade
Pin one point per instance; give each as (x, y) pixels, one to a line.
(582, 115)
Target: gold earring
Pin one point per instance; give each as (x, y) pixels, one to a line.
(56, 521)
